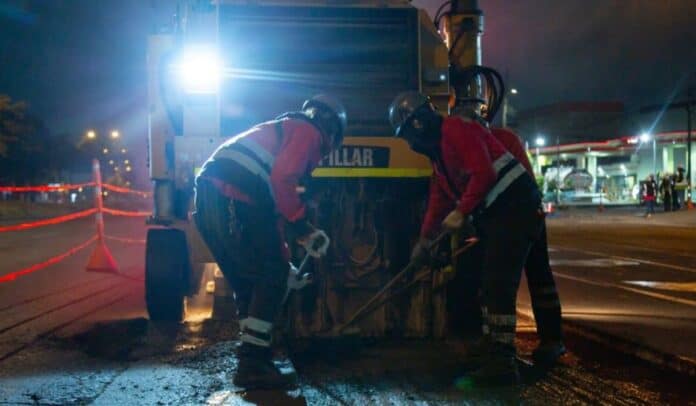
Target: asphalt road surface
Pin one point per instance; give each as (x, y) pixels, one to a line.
(633, 279)
(72, 337)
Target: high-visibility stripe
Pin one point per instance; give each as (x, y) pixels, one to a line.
(372, 172)
(248, 338)
(261, 153)
(502, 184)
(248, 163)
(254, 324)
(502, 319)
(502, 161)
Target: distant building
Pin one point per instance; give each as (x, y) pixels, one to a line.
(599, 151)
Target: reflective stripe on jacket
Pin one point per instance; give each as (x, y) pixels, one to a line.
(267, 162)
(475, 170)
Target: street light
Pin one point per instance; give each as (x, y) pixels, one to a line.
(91, 134)
(105, 151)
(539, 142)
(513, 91)
(115, 134)
(123, 150)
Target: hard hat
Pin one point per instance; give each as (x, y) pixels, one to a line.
(332, 115)
(404, 107)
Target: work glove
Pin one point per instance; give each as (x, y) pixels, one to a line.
(316, 243)
(454, 220)
(420, 255)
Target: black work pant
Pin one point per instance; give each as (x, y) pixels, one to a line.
(546, 304)
(247, 246)
(507, 236)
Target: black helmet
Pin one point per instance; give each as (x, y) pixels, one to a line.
(404, 108)
(330, 115)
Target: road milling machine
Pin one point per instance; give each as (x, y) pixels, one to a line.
(227, 65)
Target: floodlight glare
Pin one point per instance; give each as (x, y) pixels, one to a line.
(200, 70)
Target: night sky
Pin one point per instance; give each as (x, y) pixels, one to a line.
(80, 63)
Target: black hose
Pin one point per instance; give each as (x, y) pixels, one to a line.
(493, 83)
(438, 13)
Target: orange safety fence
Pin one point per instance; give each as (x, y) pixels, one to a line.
(119, 189)
(48, 222)
(98, 211)
(54, 260)
(44, 188)
(125, 240)
(125, 213)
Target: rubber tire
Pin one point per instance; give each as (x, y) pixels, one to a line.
(167, 269)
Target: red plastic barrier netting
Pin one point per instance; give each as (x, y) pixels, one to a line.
(115, 212)
(47, 222)
(119, 189)
(125, 240)
(14, 275)
(44, 188)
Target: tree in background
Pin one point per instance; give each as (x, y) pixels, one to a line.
(20, 142)
(29, 154)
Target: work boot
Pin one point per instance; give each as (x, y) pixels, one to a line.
(256, 370)
(498, 370)
(548, 353)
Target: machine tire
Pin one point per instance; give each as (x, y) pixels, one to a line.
(167, 268)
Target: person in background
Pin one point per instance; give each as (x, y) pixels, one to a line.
(666, 188)
(680, 186)
(650, 195)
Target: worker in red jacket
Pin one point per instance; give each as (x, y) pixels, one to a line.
(246, 197)
(476, 179)
(546, 304)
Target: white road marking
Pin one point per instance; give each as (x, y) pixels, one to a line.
(629, 289)
(673, 286)
(593, 263)
(642, 261)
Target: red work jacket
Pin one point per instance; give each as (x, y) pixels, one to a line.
(466, 173)
(280, 153)
(513, 144)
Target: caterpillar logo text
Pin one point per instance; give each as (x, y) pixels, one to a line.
(357, 156)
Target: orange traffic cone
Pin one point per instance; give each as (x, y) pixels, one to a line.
(101, 259)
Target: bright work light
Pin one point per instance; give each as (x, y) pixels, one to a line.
(200, 69)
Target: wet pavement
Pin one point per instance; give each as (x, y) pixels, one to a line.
(137, 362)
(71, 337)
(628, 276)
